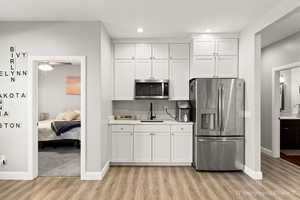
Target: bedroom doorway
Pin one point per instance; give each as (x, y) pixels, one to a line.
(58, 116)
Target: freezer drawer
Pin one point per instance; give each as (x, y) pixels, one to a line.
(219, 154)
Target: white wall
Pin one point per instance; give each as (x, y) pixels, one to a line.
(106, 93)
(52, 90)
(50, 39)
(278, 54)
(295, 90)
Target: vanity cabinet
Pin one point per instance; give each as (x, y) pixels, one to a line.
(290, 134)
(215, 58)
(158, 144)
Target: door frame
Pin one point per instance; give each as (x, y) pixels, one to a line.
(276, 106)
(33, 111)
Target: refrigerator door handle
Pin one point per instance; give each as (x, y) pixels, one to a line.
(219, 107)
(214, 139)
(222, 109)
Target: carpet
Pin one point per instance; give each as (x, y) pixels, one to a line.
(59, 162)
(290, 152)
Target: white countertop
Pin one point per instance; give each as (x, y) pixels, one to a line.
(134, 122)
(289, 116)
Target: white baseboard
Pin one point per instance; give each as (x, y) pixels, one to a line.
(267, 151)
(97, 175)
(150, 163)
(15, 176)
(256, 175)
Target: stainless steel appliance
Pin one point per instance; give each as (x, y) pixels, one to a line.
(218, 109)
(183, 111)
(151, 89)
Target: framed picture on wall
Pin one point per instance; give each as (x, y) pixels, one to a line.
(73, 85)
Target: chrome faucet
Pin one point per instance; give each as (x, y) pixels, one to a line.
(152, 115)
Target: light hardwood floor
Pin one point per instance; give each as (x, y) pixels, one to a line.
(281, 181)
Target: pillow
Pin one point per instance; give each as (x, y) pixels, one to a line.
(60, 116)
(78, 117)
(70, 115)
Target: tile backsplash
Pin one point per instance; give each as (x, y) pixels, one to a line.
(141, 108)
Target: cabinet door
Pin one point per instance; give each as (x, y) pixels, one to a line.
(124, 79)
(182, 147)
(204, 47)
(143, 69)
(124, 51)
(179, 79)
(122, 146)
(160, 51)
(227, 47)
(179, 51)
(203, 66)
(160, 69)
(143, 51)
(227, 66)
(142, 147)
(161, 147)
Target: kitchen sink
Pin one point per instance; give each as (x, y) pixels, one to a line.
(152, 121)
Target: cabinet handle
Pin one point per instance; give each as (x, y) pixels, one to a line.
(286, 128)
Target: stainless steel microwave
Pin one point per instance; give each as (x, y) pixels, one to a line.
(151, 89)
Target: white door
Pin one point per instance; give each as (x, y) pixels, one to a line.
(227, 47)
(182, 147)
(122, 146)
(179, 51)
(160, 69)
(227, 66)
(204, 47)
(161, 147)
(124, 79)
(142, 147)
(203, 67)
(143, 51)
(143, 69)
(179, 79)
(124, 51)
(160, 51)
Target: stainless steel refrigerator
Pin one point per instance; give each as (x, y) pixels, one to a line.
(218, 113)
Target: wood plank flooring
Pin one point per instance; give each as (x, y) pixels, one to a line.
(281, 181)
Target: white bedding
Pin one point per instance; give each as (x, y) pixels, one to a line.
(46, 133)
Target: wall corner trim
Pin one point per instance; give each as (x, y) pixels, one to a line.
(267, 151)
(8, 175)
(97, 175)
(256, 175)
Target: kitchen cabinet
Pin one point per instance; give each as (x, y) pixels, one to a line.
(124, 79)
(160, 51)
(161, 147)
(124, 51)
(143, 69)
(122, 146)
(142, 147)
(179, 79)
(143, 51)
(160, 69)
(180, 51)
(215, 58)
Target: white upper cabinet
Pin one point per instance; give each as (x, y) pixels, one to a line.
(160, 51)
(143, 69)
(179, 80)
(203, 67)
(204, 47)
(227, 66)
(143, 51)
(124, 51)
(179, 51)
(160, 69)
(124, 79)
(227, 47)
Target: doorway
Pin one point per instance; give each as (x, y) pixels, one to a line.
(57, 141)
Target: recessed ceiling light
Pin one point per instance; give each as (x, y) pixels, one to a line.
(140, 30)
(45, 67)
(208, 30)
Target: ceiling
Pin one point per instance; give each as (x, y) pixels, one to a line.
(159, 18)
(281, 29)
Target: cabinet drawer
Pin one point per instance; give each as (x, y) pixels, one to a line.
(152, 128)
(122, 128)
(182, 128)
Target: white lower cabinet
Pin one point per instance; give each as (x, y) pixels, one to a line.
(142, 147)
(161, 147)
(122, 147)
(182, 147)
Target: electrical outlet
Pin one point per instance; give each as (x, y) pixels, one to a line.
(3, 160)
